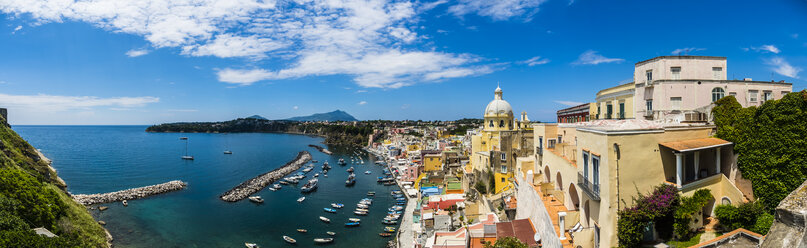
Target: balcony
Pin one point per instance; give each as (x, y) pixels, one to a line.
(592, 189)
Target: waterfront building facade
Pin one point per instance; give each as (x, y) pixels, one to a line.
(596, 168)
(579, 113)
(498, 143)
(615, 102)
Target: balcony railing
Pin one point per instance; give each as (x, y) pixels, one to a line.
(592, 189)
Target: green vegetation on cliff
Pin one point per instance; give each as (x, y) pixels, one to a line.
(771, 141)
(31, 195)
(335, 133)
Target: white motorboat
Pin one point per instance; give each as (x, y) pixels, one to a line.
(256, 199)
(323, 219)
(289, 240)
(301, 199)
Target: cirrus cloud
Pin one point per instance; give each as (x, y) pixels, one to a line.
(591, 57)
(60, 103)
(782, 67)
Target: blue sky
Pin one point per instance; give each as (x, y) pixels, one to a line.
(155, 61)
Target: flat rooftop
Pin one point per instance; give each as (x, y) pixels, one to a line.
(629, 125)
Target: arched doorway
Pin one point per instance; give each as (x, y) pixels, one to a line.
(559, 181)
(573, 197)
(547, 174)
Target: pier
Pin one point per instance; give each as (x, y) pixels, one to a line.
(130, 194)
(256, 184)
(321, 149)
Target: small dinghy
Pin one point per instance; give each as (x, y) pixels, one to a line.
(389, 229)
(301, 199)
(389, 222)
(386, 235)
(331, 233)
(256, 199)
(326, 220)
(337, 205)
(302, 230)
(371, 193)
(351, 224)
(251, 245)
(289, 240)
(330, 210)
(368, 172)
(323, 240)
(125, 203)
(228, 152)
(354, 219)
(350, 169)
(360, 213)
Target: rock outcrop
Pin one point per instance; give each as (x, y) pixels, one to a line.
(788, 230)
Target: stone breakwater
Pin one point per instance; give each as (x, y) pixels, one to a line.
(130, 194)
(321, 149)
(256, 184)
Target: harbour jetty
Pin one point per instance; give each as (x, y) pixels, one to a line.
(321, 149)
(130, 194)
(256, 184)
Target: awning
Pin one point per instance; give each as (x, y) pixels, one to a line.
(695, 144)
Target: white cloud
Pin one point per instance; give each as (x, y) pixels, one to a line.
(537, 60)
(405, 106)
(782, 67)
(764, 48)
(686, 50)
(16, 29)
(60, 103)
(137, 52)
(360, 38)
(361, 91)
(295, 107)
(568, 103)
(591, 57)
(498, 10)
(362, 103)
(432, 5)
(182, 110)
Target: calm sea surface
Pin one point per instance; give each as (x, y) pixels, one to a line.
(99, 159)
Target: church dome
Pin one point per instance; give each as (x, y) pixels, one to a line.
(498, 106)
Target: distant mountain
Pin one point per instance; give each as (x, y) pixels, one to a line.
(337, 115)
(257, 117)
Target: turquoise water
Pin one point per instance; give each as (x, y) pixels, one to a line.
(97, 159)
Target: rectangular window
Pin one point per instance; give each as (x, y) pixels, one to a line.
(767, 96)
(540, 142)
(649, 104)
(649, 74)
(717, 73)
(551, 144)
(609, 110)
(504, 169)
(560, 139)
(621, 110)
(676, 72)
(753, 95)
(595, 169)
(585, 165)
(504, 156)
(502, 178)
(675, 103)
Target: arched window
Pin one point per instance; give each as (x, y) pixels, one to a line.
(501, 123)
(725, 201)
(717, 93)
(491, 123)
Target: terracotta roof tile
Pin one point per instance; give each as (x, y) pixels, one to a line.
(694, 144)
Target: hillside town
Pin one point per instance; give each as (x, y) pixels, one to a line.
(575, 183)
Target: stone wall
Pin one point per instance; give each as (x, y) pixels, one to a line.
(788, 230)
(530, 206)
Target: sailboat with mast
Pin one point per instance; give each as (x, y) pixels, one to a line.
(186, 156)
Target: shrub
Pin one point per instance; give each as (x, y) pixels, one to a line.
(507, 242)
(37, 205)
(657, 207)
(688, 207)
(751, 216)
(480, 186)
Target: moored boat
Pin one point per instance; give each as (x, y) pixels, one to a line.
(289, 240)
(329, 210)
(331, 233)
(302, 230)
(310, 186)
(351, 224)
(385, 234)
(256, 199)
(337, 205)
(389, 229)
(326, 220)
(354, 219)
(350, 170)
(125, 203)
(251, 245)
(301, 199)
(323, 240)
(360, 213)
(228, 152)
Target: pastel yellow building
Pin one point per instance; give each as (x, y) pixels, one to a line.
(596, 168)
(616, 102)
(433, 162)
(498, 143)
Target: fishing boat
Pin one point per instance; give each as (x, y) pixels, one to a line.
(330, 210)
(337, 205)
(186, 156)
(352, 224)
(125, 203)
(276, 186)
(326, 220)
(367, 172)
(389, 222)
(306, 170)
(360, 212)
(350, 170)
(284, 182)
(389, 229)
(385, 234)
(362, 206)
(316, 174)
(228, 152)
(302, 230)
(310, 186)
(301, 199)
(256, 199)
(251, 245)
(354, 219)
(331, 233)
(351, 180)
(289, 240)
(342, 161)
(323, 240)
(371, 193)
